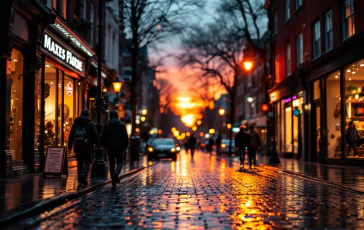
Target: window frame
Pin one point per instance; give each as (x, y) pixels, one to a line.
(298, 4)
(346, 18)
(299, 49)
(315, 41)
(287, 10)
(288, 59)
(329, 32)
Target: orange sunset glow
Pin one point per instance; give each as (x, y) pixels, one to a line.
(185, 103)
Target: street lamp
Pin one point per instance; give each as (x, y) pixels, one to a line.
(99, 166)
(117, 87)
(222, 112)
(144, 111)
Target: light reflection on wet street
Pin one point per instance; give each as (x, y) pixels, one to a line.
(208, 192)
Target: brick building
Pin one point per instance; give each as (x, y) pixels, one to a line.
(318, 69)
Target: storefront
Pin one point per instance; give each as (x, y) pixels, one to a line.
(289, 125)
(341, 88)
(61, 96)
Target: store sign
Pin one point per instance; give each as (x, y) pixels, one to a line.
(69, 89)
(62, 53)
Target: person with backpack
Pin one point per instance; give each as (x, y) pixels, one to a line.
(253, 146)
(114, 139)
(242, 141)
(83, 137)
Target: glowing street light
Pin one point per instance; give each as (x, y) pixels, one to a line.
(194, 128)
(188, 134)
(221, 112)
(212, 131)
(143, 118)
(176, 133)
(117, 85)
(144, 111)
(173, 129)
(228, 126)
(250, 99)
(199, 122)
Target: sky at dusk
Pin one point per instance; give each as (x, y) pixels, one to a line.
(184, 103)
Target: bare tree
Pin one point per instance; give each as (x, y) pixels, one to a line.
(165, 90)
(204, 89)
(216, 50)
(148, 22)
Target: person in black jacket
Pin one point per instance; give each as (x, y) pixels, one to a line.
(242, 141)
(192, 144)
(83, 137)
(115, 139)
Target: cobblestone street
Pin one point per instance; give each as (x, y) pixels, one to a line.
(208, 192)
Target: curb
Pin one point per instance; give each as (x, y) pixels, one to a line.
(53, 202)
(305, 176)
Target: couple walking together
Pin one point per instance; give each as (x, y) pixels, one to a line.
(249, 141)
(84, 137)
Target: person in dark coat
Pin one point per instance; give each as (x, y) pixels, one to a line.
(192, 144)
(83, 137)
(218, 144)
(211, 144)
(352, 137)
(242, 140)
(115, 140)
(254, 145)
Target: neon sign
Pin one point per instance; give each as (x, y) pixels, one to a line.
(62, 53)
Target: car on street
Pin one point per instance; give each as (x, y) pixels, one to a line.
(225, 145)
(162, 148)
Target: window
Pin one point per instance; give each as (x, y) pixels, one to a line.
(92, 21)
(275, 29)
(299, 49)
(287, 9)
(83, 7)
(50, 3)
(298, 4)
(328, 31)
(288, 59)
(316, 40)
(62, 8)
(348, 17)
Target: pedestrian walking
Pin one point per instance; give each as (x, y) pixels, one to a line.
(192, 144)
(83, 137)
(211, 144)
(242, 141)
(352, 137)
(254, 144)
(218, 144)
(114, 139)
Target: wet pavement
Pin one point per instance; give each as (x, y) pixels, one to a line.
(17, 194)
(208, 192)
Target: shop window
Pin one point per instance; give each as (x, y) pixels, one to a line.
(348, 19)
(333, 109)
(297, 123)
(316, 90)
(354, 82)
(288, 129)
(50, 98)
(69, 107)
(14, 137)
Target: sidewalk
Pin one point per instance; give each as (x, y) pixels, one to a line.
(350, 177)
(21, 193)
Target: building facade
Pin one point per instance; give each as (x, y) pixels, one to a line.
(318, 69)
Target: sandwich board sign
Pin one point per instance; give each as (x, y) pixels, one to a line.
(56, 161)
